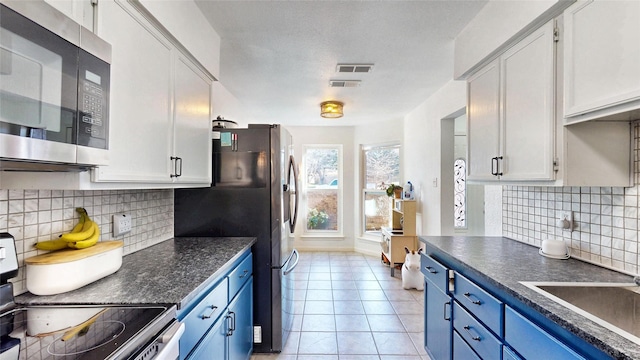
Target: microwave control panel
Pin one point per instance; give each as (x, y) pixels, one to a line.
(93, 101)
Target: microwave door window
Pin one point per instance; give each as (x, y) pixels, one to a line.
(30, 83)
(38, 80)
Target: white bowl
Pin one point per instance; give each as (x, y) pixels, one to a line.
(554, 247)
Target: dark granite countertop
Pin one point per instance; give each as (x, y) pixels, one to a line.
(502, 263)
(171, 272)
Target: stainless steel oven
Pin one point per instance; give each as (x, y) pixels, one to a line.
(54, 87)
(70, 332)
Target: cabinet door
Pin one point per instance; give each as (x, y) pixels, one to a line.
(602, 55)
(483, 125)
(437, 325)
(527, 76)
(140, 128)
(192, 133)
(241, 315)
(214, 344)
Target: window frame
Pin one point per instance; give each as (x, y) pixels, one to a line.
(339, 232)
(373, 235)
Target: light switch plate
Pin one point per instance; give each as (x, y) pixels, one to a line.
(121, 224)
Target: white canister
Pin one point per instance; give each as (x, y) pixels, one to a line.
(408, 193)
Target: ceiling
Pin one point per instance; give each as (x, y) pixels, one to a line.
(277, 57)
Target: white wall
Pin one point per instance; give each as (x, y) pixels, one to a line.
(422, 150)
(306, 135)
(372, 134)
(225, 104)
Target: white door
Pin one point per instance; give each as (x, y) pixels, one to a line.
(527, 75)
(192, 132)
(602, 55)
(483, 127)
(140, 106)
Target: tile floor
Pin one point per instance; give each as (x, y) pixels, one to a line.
(348, 307)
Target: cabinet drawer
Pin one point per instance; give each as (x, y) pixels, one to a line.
(203, 315)
(240, 275)
(434, 272)
(531, 341)
(461, 350)
(480, 303)
(508, 354)
(481, 340)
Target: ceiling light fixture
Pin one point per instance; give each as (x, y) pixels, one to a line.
(331, 109)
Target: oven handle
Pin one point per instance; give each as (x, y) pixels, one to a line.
(170, 340)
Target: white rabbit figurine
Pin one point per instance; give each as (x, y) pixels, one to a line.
(411, 275)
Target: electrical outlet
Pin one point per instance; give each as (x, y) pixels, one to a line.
(565, 222)
(121, 224)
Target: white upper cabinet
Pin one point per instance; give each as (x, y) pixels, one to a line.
(602, 60)
(527, 84)
(511, 113)
(192, 132)
(160, 105)
(140, 120)
(483, 122)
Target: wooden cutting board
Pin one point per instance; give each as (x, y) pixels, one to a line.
(68, 255)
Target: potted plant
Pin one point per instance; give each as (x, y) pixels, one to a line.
(395, 191)
(316, 219)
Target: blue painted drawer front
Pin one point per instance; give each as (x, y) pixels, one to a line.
(240, 275)
(481, 340)
(532, 342)
(434, 272)
(480, 303)
(461, 350)
(508, 354)
(214, 345)
(202, 317)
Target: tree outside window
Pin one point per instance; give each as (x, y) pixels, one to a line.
(381, 169)
(322, 178)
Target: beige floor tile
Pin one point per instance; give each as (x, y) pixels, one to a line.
(378, 307)
(348, 307)
(352, 323)
(346, 294)
(388, 323)
(394, 344)
(319, 343)
(356, 343)
(318, 323)
(318, 307)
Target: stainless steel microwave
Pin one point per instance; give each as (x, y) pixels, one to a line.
(54, 89)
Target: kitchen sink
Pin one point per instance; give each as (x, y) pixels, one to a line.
(615, 306)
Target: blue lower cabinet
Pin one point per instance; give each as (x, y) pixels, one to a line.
(508, 354)
(479, 338)
(437, 334)
(214, 344)
(532, 342)
(219, 322)
(462, 350)
(241, 329)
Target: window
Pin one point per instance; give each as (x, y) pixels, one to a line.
(381, 169)
(322, 184)
(460, 194)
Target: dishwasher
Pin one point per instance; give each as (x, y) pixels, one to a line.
(70, 332)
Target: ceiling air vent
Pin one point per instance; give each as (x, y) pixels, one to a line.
(354, 68)
(344, 83)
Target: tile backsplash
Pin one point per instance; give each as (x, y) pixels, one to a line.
(38, 215)
(606, 219)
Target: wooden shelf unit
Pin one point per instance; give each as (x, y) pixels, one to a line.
(402, 233)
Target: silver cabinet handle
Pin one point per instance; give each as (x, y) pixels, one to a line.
(244, 274)
(445, 311)
(468, 296)
(213, 310)
(473, 337)
(232, 328)
(430, 269)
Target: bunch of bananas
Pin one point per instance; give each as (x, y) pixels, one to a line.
(85, 234)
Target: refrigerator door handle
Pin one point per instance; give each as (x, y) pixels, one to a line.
(292, 168)
(290, 268)
(284, 263)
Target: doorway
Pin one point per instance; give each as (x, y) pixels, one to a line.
(462, 203)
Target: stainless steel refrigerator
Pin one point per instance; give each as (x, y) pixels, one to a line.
(253, 194)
